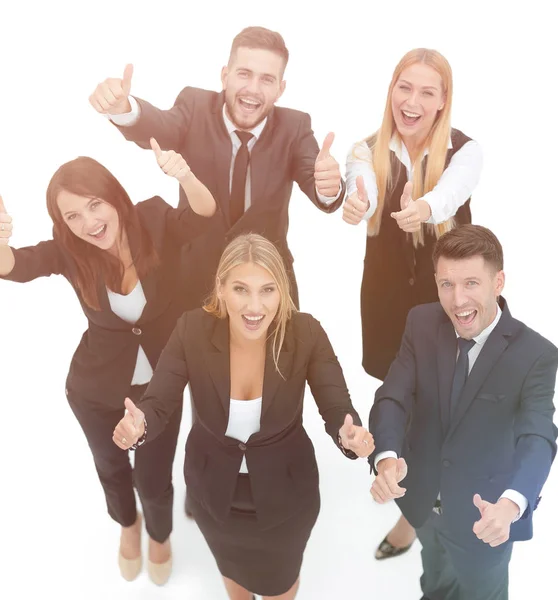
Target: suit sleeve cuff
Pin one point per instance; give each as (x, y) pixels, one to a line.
(519, 499)
(127, 119)
(381, 455)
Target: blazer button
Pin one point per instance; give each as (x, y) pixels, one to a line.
(446, 462)
(242, 446)
(136, 330)
(411, 281)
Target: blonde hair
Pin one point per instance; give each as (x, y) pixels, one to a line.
(255, 249)
(436, 142)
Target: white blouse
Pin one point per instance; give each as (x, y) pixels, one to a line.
(244, 420)
(453, 189)
(129, 308)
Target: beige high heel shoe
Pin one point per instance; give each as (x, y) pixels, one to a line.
(159, 573)
(130, 568)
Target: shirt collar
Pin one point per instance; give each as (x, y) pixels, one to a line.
(483, 335)
(231, 128)
(399, 149)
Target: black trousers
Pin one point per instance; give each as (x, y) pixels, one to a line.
(152, 473)
(452, 571)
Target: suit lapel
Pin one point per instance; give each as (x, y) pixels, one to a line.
(222, 154)
(491, 352)
(447, 352)
(260, 163)
(219, 363)
(272, 379)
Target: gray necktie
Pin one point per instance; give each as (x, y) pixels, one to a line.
(461, 373)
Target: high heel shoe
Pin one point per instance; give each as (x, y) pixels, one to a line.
(130, 568)
(388, 550)
(159, 573)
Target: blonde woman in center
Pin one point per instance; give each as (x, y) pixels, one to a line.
(250, 467)
(410, 182)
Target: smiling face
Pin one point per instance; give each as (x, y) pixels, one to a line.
(252, 299)
(90, 219)
(468, 290)
(253, 83)
(415, 101)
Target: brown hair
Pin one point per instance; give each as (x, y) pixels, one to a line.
(436, 142)
(260, 38)
(255, 249)
(468, 241)
(84, 176)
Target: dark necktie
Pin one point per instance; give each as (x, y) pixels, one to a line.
(461, 373)
(238, 187)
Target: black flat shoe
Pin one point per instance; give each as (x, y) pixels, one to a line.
(387, 550)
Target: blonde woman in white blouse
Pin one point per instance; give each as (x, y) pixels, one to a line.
(411, 181)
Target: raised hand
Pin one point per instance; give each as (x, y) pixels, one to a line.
(326, 170)
(413, 213)
(356, 438)
(493, 527)
(130, 428)
(386, 485)
(111, 96)
(171, 162)
(356, 204)
(6, 226)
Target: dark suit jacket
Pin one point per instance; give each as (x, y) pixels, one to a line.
(103, 364)
(280, 458)
(501, 436)
(284, 153)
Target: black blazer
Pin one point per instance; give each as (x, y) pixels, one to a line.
(280, 458)
(501, 437)
(103, 364)
(284, 153)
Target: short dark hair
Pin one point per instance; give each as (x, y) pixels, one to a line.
(467, 241)
(260, 38)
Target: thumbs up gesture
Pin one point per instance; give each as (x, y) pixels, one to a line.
(413, 213)
(130, 428)
(326, 170)
(111, 96)
(5, 225)
(494, 525)
(171, 162)
(356, 204)
(356, 438)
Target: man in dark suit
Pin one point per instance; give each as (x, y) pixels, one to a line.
(464, 418)
(247, 151)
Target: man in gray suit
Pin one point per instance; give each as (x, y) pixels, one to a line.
(464, 422)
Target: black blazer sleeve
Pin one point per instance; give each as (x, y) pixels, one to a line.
(535, 431)
(327, 383)
(306, 151)
(165, 390)
(168, 127)
(181, 224)
(393, 401)
(42, 260)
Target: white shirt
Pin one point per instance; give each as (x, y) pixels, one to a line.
(131, 118)
(129, 308)
(454, 187)
(244, 420)
(474, 352)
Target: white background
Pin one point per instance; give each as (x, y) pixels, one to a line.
(56, 536)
